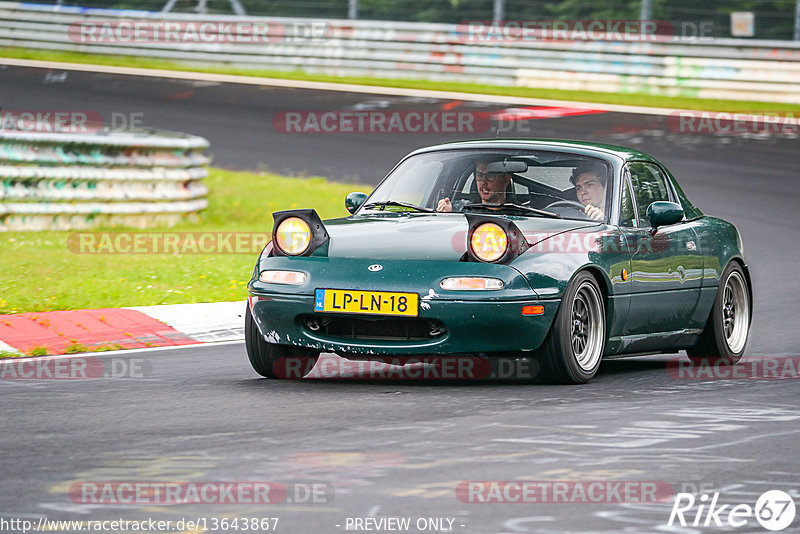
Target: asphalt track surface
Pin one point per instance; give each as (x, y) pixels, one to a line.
(399, 448)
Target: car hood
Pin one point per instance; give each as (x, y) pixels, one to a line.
(424, 237)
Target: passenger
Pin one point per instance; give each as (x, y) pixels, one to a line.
(589, 180)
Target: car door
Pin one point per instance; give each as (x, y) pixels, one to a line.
(666, 266)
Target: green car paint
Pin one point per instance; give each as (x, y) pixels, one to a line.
(659, 285)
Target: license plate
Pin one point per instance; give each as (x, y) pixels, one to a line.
(367, 302)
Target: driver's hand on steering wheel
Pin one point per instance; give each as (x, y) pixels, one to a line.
(444, 205)
(594, 212)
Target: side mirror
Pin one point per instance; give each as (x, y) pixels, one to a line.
(663, 213)
(353, 201)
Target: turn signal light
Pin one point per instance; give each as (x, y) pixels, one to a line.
(465, 283)
(294, 278)
(532, 310)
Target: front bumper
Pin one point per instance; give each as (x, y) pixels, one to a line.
(470, 326)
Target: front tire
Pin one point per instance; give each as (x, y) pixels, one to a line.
(272, 360)
(573, 349)
(725, 336)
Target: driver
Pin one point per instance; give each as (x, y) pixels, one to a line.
(589, 180)
(491, 187)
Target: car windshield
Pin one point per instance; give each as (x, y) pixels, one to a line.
(537, 183)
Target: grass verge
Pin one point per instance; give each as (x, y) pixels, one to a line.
(38, 272)
(629, 99)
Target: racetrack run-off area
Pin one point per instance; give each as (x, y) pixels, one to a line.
(338, 449)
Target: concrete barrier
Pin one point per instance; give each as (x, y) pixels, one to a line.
(61, 181)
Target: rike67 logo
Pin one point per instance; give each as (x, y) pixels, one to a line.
(774, 510)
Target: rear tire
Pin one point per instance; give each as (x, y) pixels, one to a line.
(573, 350)
(725, 335)
(272, 360)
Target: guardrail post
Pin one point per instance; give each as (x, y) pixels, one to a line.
(499, 10)
(645, 10)
(797, 20)
(202, 7)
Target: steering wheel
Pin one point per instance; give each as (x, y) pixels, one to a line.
(567, 204)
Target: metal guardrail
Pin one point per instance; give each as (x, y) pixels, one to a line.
(715, 69)
(60, 181)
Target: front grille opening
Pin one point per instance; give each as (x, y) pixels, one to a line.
(377, 328)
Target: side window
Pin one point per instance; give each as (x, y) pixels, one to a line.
(627, 216)
(649, 185)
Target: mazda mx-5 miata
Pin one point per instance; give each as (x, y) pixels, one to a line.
(558, 251)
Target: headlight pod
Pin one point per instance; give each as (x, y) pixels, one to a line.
(297, 233)
(488, 242)
(293, 236)
(493, 239)
(471, 283)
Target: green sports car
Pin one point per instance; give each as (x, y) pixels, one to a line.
(560, 253)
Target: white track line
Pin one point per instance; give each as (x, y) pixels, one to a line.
(7, 348)
(329, 86)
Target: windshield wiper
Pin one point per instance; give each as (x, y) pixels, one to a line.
(398, 204)
(509, 205)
